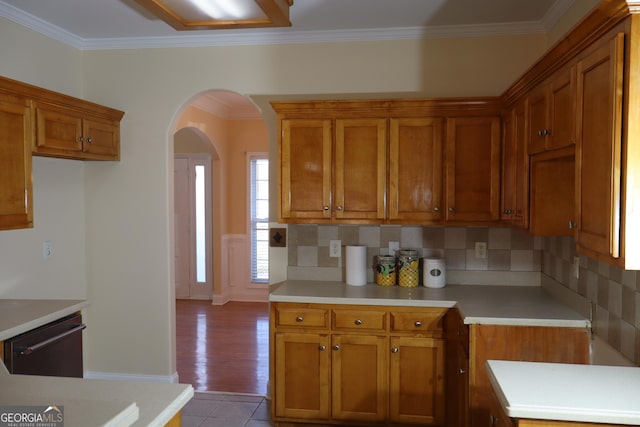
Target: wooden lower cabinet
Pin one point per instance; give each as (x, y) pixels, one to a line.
(302, 372)
(523, 343)
(368, 365)
(417, 383)
(359, 379)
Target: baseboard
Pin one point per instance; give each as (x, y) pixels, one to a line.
(93, 375)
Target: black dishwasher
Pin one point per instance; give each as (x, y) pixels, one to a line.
(54, 349)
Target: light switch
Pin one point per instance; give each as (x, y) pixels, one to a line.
(47, 249)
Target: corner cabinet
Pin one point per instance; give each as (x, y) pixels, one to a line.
(16, 136)
(388, 162)
(363, 364)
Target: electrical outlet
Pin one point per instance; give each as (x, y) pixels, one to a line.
(393, 247)
(47, 249)
(335, 248)
(576, 267)
(481, 250)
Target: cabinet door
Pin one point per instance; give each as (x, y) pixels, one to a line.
(598, 149)
(553, 193)
(415, 170)
(16, 187)
(562, 110)
(359, 378)
(302, 371)
(515, 169)
(305, 167)
(58, 129)
(524, 343)
(456, 370)
(416, 381)
(537, 117)
(360, 169)
(473, 169)
(102, 138)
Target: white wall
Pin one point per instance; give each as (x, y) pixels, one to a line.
(127, 204)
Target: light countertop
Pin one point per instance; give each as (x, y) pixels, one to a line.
(87, 402)
(478, 304)
(21, 315)
(567, 392)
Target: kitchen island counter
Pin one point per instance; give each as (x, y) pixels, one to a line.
(478, 304)
(567, 392)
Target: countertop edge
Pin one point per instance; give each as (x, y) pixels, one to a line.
(557, 413)
(72, 307)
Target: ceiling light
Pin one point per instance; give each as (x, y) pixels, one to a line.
(220, 14)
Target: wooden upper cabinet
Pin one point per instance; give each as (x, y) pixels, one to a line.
(473, 169)
(515, 168)
(598, 154)
(552, 197)
(16, 188)
(551, 112)
(305, 168)
(70, 133)
(415, 169)
(360, 169)
(381, 161)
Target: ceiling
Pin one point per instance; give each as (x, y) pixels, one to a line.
(119, 24)
(123, 24)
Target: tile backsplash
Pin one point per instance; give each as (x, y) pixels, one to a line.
(614, 293)
(507, 249)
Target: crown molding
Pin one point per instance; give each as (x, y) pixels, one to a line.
(555, 12)
(284, 36)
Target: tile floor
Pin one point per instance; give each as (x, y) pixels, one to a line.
(212, 409)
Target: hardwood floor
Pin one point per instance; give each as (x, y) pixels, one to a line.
(223, 348)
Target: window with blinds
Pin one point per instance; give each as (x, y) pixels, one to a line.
(259, 194)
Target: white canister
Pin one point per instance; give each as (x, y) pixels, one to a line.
(433, 273)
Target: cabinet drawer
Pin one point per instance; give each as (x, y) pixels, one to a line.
(359, 319)
(302, 317)
(416, 321)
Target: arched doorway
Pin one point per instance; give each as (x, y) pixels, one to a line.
(236, 361)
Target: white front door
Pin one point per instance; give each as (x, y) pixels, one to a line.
(192, 223)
